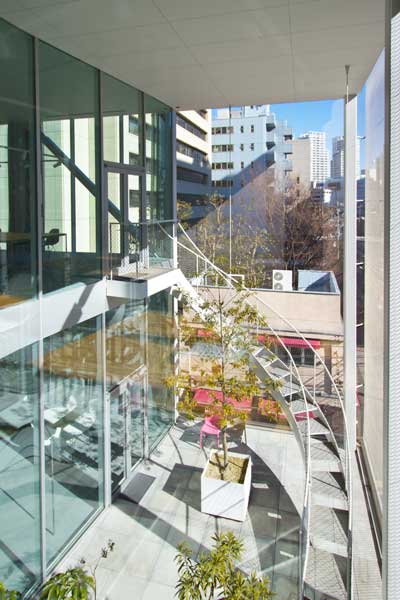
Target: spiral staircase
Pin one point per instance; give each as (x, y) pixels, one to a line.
(318, 422)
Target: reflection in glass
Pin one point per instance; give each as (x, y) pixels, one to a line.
(126, 428)
(73, 431)
(158, 120)
(115, 229)
(17, 167)
(125, 356)
(68, 121)
(125, 341)
(122, 122)
(161, 337)
(19, 470)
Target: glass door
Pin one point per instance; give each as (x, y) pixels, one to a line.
(124, 196)
(126, 429)
(134, 218)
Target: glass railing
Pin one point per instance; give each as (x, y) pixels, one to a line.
(160, 237)
(139, 249)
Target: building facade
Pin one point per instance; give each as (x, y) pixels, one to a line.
(310, 158)
(193, 154)
(337, 160)
(86, 196)
(246, 141)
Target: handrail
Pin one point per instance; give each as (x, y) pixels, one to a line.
(226, 276)
(347, 466)
(306, 504)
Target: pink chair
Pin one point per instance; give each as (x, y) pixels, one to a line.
(210, 427)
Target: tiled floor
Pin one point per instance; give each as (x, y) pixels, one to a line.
(161, 508)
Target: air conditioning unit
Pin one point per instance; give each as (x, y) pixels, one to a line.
(282, 280)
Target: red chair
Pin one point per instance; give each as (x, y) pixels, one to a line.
(210, 427)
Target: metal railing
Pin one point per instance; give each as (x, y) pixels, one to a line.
(321, 388)
(140, 247)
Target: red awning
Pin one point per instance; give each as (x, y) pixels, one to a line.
(204, 397)
(293, 342)
(204, 333)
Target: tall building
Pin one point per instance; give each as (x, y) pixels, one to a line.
(310, 158)
(247, 141)
(193, 165)
(337, 160)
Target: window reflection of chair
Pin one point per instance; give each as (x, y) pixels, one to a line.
(52, 238)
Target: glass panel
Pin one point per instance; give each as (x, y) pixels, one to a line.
(122, 121)
(114, 217)
(125, 347)
(17, 167)
(118, 439)
(158, 159)
(134, 216)
(135, 393)
(68, 121)
(371, 273)
(125, 341)
(160, 402)
(73, 414)
(19, 470)
(126, 429)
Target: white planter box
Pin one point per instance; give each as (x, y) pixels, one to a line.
(225, 498)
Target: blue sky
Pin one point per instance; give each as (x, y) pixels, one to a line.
(323, 115)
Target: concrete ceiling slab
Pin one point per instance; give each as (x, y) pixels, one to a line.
(203, 53)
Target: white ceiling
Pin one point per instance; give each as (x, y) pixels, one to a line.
(204, 53)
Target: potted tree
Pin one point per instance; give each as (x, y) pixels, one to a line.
(228, 383)
(215, 575)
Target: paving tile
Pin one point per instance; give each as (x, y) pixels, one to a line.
(123, 586)
(157, 591)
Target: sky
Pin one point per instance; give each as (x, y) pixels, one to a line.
(322, 115)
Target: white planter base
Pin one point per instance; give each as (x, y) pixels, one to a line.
(225, 498)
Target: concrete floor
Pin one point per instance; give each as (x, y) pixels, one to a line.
(161, 508)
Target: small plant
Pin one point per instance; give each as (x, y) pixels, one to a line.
(215, 576)
(78, 583)
(6, 594)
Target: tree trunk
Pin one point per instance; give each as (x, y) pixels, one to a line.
(225, 449)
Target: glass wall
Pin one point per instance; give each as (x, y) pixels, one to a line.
(158, 123)
(72, 382)
(122, 122)
(71, 196)
(73, 423)
(19, 470)
(160, 361)
(125, 341)
(372, 430)
(17, 167)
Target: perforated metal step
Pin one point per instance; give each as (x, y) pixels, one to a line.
(328, 490)
(328, 530)
(324, 577)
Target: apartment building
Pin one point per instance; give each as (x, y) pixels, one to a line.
(310, 158)
(193, 153)
(337, 160)
(247, 141)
